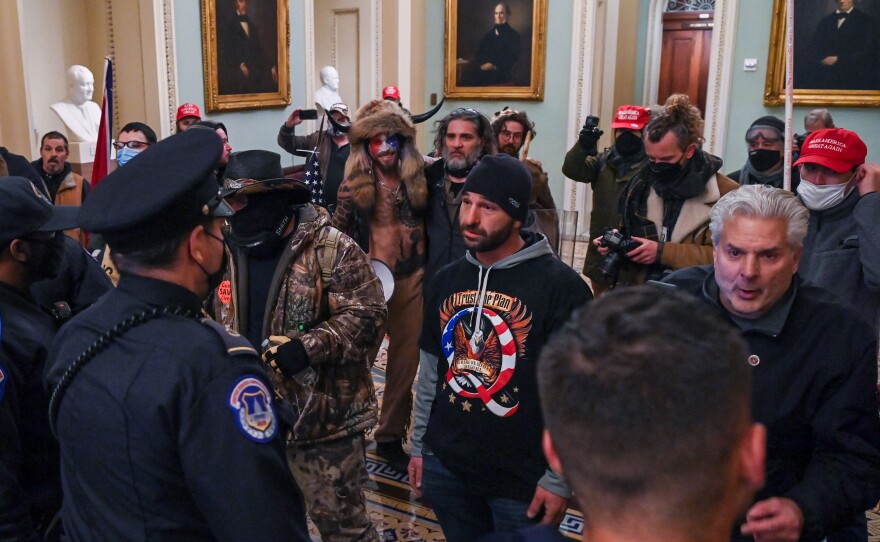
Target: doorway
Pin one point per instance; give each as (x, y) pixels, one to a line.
(685, 56)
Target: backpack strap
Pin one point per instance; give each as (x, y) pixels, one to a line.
(326, 247)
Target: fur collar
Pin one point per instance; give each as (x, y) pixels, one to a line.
(384, 117)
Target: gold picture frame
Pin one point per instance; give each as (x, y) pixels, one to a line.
(246, 65)
(518, 48)
(810, 14)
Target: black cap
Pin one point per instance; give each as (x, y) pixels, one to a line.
(768, 121)
(250, 172)
(24, 210)
(161, 193)
(504, 180)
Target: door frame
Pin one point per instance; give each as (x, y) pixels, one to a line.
(720, 67)
(311, 74)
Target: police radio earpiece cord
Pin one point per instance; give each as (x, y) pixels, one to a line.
(100, 344)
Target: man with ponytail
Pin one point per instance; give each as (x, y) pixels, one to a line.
(665, 207)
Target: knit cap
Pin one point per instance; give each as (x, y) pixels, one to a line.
(503, 180)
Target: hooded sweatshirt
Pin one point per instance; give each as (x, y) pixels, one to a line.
(484, 330)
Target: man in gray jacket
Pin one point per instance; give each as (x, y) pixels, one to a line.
(842, 192)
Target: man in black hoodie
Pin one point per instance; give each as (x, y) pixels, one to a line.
(484, 470)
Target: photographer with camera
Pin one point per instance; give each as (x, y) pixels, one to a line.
(666, 205)
(608, 174)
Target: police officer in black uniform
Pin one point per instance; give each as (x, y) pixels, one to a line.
(167, 426)
(30, 249)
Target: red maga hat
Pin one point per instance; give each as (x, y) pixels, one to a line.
(631, 117)
(188, 110)
(834, 148)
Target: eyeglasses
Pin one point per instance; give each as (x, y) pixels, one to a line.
(133, 145)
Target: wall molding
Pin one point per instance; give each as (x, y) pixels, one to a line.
(721, 75)
(170, 97)
(580, 98)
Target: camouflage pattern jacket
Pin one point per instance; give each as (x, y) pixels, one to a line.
(339, 318)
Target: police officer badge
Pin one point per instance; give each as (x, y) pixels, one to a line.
(251, 405)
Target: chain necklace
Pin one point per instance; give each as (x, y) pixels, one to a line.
(395, 192)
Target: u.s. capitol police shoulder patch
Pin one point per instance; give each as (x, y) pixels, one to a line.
(251, 406)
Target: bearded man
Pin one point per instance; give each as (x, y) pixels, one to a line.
(381, 205)
(514, 132)
(463, 137)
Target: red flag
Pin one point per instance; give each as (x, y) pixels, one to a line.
(105, 129)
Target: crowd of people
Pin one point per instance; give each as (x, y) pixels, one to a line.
(711, 375)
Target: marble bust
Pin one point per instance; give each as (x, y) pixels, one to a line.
(328, 93)
(80, 115)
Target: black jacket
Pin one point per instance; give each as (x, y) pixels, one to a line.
(814, 388)
(444, 236)
(170, 432)
(30, 488)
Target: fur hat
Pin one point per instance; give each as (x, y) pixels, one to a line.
(376, 118)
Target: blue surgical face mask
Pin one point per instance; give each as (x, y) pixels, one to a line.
(124, 155)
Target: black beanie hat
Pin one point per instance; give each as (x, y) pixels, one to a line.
(769, 121)
(504, 180)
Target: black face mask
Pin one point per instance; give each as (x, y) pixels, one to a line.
(215, 278)
(628, 143)
(665, 173)
(764, 159)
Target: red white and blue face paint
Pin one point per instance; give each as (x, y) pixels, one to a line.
(381, 145)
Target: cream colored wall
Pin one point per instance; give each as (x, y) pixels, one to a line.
(14, 125)
(82, 32)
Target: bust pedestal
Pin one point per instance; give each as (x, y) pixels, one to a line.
(81, 157)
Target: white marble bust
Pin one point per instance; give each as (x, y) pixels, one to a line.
(328, 93)
(80, 115)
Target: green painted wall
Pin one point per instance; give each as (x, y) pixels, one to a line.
(550, 116)
(746, 104)
(256, 129)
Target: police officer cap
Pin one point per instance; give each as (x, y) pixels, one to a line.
(163, 192)
(24, 210)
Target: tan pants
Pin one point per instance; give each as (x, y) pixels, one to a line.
(404, 327)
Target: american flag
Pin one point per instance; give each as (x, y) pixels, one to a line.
(105, 128)
(314, 180)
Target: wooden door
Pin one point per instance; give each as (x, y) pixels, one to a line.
(684, 60)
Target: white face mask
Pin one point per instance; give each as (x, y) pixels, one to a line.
(819, 197)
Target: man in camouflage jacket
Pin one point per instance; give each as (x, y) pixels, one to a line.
(307, 294)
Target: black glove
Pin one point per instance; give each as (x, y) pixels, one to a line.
(588, 138)
(290, 357)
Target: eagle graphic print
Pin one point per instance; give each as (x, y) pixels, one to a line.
(482, 347)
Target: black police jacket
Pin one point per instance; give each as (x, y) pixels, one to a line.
(170, 432)
(30, 489)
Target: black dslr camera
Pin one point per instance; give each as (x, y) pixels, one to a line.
(592, 122)
(620, 245)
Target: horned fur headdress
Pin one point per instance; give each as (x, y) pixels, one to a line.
(376, 118)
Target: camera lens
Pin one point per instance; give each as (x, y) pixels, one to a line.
(610, 264)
